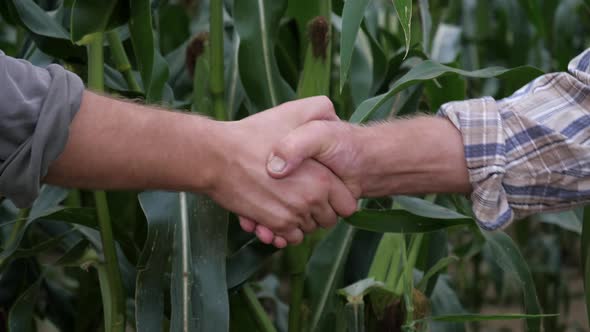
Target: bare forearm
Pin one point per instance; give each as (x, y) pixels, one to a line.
(119, 145)
(419, 155)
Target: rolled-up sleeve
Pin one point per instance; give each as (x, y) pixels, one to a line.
(37, 106)
(530, 152)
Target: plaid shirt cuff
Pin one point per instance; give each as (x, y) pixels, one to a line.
(530, 152)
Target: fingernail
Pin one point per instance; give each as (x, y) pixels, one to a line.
(276, 164)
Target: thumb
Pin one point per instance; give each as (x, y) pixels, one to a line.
(307, 141)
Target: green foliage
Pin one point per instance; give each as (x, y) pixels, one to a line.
(178, 262)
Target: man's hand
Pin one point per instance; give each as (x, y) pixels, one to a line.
(409, 156)
(336, 144)
(413, 156)
(115, 144)
(311, 196)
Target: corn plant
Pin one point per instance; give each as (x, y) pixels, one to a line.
(160, 261)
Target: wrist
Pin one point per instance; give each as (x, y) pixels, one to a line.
(413, 156)
(209, 155)
(378, 147)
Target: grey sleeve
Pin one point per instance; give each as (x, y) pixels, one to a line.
(37, 106)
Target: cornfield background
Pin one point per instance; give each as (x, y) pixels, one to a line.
(96, 261)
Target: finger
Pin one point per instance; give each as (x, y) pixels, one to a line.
(264, 234)
(341, 199)
(279, 242)
(324, 215)
(309, 109)
(294, 236)
(247, 225)
(309, 224)
(307, 141)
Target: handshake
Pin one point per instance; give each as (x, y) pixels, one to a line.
(285, 171)
(296, 167)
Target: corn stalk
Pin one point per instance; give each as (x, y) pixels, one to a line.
(113, 295)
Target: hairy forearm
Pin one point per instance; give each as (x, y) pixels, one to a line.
(119, 145)
(412, 156)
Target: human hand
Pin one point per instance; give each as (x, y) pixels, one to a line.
(335, 144)
(374, 161)
(311, 196)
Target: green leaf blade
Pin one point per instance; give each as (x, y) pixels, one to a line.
(403, 8)
(257, 23)
(352, 16)
(428, 70)
(509, 258)
(152, 66)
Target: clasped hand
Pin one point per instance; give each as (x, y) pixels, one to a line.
(290, 172)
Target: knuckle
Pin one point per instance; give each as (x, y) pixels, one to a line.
(296, 238)
(307, 228)
(300, 237)
(324, 180)
(350, 210)
(317, 126)
(311, 198)
(299, 206)
(281, 225)
(326, 103)
(288, 145)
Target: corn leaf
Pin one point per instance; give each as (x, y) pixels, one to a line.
(433, 271)
(198, 273)
(352, 16)
(90, 16)
(20, 317)
(380, 64)
(508, 257)
(534, 11)
(233, 85)
(402, 221)
(155, 259)
(386, 261)
(566, 220)
(188, 231)
(45, 205)
(324, 273)
(428, 70)
(50, 36)
(246, 261)
(257, 23)
(426, 20)
(403, 8)
(436, 249)
(152, 66)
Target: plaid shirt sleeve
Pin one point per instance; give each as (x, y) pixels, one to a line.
(529, 152)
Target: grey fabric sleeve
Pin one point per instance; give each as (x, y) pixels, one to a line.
(37, 106)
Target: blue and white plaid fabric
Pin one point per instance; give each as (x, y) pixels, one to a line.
(529, 152)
